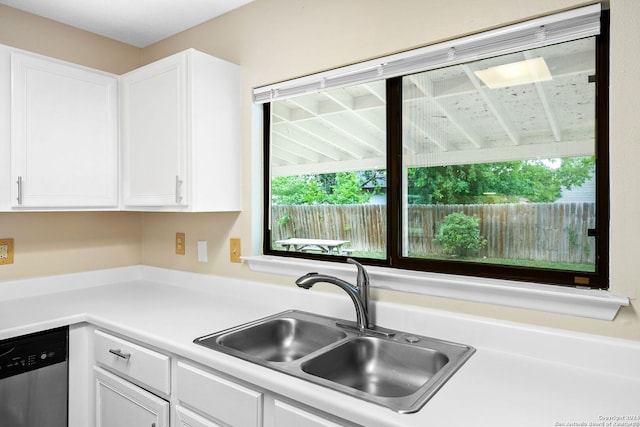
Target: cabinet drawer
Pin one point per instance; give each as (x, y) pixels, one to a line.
(186, 418)
(222, 399)
(290, 416)
(146, 366)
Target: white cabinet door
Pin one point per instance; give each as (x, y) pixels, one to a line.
(181, 135)
(186, 418)
(5, 128)
(154, 119)
(122, 404)
(290, 416)
(64, 135)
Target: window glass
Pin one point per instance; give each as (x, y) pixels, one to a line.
(499, 160)
(328, 172)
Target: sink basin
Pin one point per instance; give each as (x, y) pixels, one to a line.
(281, 340)
(394, 369)
(378, 367)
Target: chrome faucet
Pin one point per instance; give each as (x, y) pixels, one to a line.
(359, 294)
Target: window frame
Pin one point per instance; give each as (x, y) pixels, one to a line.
(599, 279)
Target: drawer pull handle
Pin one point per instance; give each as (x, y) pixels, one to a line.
(120, 354)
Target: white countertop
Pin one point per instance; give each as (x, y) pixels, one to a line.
(519, 376)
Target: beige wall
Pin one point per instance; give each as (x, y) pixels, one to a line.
(63, 242)
(274, 40)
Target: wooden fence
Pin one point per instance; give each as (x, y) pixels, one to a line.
(554, 232)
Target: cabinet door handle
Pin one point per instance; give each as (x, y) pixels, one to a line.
(120, 354)
(19, 182)
(178, 189)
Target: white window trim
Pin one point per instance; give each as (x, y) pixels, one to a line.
(589, 303)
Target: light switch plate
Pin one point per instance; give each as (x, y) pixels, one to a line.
(6, 251)
(234, 250)
(180, 242)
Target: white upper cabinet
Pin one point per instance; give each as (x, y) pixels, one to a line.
(5, 128)
(64, 135)
(181, 135)
(163, 137)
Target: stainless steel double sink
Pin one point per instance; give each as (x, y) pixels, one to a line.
(394, 369)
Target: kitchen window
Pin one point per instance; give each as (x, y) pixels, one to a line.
(480, 156)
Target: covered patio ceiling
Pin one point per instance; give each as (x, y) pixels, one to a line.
(450, 116)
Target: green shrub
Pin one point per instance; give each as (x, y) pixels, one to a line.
(459, 235)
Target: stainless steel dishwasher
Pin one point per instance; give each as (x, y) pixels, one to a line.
(34, 380)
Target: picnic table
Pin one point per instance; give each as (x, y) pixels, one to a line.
(325, 245)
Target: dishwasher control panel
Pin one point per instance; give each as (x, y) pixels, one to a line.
(34, 351)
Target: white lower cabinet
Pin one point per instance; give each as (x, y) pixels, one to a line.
(142, 365)
(120, 403)
(286, 415)
(219, 398)
(223, 402)
(137, 385)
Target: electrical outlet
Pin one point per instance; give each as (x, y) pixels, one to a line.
(234, 250)
(6, 251)
(180, 243)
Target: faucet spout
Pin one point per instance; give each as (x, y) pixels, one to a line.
(362, 312)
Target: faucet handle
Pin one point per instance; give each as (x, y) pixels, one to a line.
(363, 276)
(362, 282)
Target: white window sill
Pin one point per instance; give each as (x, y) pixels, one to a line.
(590, 303)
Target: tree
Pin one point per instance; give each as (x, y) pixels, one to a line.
(535, 181)
(296, 190)
(503, 182)
(330, 188)
(347, 190)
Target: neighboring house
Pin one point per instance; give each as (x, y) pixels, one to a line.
(378, 190)
(584, 193)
